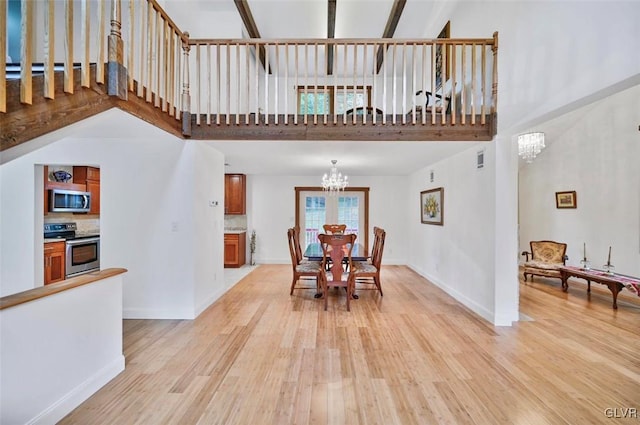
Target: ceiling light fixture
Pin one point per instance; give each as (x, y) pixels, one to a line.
(335, 181)
(530, 145)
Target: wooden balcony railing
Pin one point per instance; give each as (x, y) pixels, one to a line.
(253, 82)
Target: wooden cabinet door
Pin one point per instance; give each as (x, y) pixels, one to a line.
(235, 194)
(93, 187)
(231, 250)
(54, 262)
(235, 245)
(90, 176)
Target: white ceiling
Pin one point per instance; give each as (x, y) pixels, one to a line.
(302, 158)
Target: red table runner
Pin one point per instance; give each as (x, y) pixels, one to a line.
(630, 283)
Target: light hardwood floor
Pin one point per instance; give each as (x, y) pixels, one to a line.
(414, 356)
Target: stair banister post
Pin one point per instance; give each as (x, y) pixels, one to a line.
(186, 97)
(116, 71)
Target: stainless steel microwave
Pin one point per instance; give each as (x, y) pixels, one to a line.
(62, 200)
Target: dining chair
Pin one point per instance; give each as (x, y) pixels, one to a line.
(336, 248)
(369, 271)
(302, 268)
(334, 229)
(296, 235)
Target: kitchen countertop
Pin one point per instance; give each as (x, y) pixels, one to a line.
(47, 240)
(235, 231)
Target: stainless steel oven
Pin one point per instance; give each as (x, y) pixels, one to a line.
(82, 256)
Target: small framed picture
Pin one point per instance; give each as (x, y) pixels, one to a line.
(431, 206)
(566, 199)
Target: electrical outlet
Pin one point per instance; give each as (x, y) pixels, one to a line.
(174, 226)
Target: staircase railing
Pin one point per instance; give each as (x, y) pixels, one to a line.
(254, 81)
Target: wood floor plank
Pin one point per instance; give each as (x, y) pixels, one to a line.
(414, 356)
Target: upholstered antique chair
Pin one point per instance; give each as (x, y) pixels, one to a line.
(546, 259)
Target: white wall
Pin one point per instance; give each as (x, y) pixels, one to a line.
(154, 193)
(553, 53)
(271, 207)
(457, 256)
(598, 157)
(207, 231)
(551, 57)
(59, 350)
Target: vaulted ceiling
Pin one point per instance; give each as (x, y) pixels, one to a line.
(347, 18)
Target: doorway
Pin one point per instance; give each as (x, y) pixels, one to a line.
(316, 207)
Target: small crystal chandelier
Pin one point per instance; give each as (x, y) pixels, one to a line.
(530, 145)
(335, 181)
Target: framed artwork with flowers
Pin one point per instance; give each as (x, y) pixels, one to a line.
(432, 206)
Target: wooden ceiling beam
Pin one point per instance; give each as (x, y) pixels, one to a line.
(251, 27)
(390, 28)
(331, 33)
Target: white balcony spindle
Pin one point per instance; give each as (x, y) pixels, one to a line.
(218, 84)
(286, 83)
(228, 85)
(266, 84)
(473, 84)
(276, 69)
(209, 79)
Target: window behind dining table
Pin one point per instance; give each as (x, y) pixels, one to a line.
(317, 207)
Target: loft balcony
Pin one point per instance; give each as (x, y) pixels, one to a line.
(245, 89)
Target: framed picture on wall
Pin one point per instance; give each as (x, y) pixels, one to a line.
(431, 206)
(566, 199)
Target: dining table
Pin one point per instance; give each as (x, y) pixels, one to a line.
(313, 252)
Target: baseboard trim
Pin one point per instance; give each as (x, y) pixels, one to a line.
(79, 394)
(480, 310)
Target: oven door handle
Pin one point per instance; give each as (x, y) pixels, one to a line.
(85, 203)
(73, 242)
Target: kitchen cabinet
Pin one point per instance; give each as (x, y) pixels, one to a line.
(235, 188)
(235, 246)
(54, 262)
(89, 176)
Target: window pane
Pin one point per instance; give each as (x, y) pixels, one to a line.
(348, 213)
(312, 100)
(315, 216)
(346, 102)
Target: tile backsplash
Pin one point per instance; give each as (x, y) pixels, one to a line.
(235, 222)
(89, 224)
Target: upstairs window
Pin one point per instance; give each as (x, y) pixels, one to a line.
(320, 101)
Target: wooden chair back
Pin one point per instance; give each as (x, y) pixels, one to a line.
(378, 248)
(296, 241)
(295, 260)
(335, 229)
(376, 243)
(302, 268)
(337, 248)
(363, 270)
